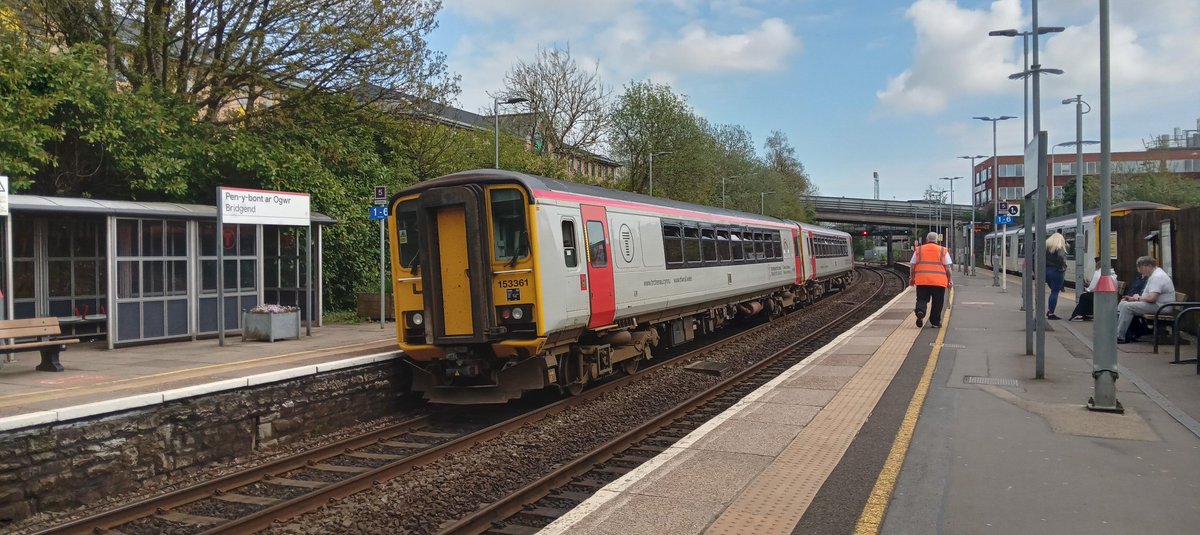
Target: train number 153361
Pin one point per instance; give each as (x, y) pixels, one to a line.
(513, 283)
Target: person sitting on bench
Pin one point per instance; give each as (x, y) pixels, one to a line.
(1084, 308)
(1159, 291)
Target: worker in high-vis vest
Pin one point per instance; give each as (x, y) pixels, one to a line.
(930, 273)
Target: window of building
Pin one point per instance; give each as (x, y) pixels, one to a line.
(152, 258)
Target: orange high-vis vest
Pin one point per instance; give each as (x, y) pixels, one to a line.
(930, 269)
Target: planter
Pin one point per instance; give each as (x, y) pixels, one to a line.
(368, 306)
(270, 327)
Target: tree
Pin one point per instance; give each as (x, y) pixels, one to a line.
(569, 103)
(650, 118)
(235, 59)
(791, 180)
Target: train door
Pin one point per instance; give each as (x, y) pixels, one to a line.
(600, 269)
(457, 281)
(799, 256)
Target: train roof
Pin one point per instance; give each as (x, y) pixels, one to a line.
(533, 184)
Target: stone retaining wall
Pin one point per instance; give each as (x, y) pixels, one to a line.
(68, 464)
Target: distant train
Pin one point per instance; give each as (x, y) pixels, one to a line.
(1015, 236)
(506, 283)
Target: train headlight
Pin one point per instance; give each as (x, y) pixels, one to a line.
(418, 319)
(518, 313)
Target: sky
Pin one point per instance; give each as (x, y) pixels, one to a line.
(858, 86)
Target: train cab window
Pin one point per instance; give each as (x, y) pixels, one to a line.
(691, 245)
(509, 234)
(723, 245)
(597, 251)
(708, 244)
(672, 247)
(407, 234)
(735, 245)
(570, 253)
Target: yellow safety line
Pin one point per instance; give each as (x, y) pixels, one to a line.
(109, 386)
(871, 518)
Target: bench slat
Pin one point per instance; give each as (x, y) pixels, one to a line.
(4, 348)
(29, 327)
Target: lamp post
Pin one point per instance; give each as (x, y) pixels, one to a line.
(953, 218)
(1104, 363)
(1034, 253)
(971, 246)
(723, 179)
(762, 202)
(496, 114)
(1079, 143)
(997, 268)
(652, 155)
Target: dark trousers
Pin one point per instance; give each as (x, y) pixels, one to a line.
(925, 294)
(1084, 306)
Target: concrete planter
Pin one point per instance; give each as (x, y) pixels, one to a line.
(270, 327)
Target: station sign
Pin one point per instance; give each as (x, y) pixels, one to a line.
(1014, 210)
(380, 195)
(1002, 208)
(378, 213)
(1004, 220)
(261, 207)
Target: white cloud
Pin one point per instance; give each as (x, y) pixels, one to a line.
(765, 48)
(953, 55)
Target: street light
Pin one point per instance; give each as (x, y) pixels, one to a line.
(971, 247)
(1025, 52)
(652, 155)
(953, 219)
(723, 179)
(996, 267)
(1079, 143)
(496, 113)
(762, 202)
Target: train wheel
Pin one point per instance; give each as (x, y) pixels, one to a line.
(576, 376)
(630, 366)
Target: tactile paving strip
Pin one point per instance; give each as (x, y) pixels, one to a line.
(776, 500)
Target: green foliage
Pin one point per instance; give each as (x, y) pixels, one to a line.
(343, 317)
(1160, 187)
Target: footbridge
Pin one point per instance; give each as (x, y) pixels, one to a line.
(880, 212)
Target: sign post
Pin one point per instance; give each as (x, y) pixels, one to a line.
(6, 308)
(260, 207)
(379, 212)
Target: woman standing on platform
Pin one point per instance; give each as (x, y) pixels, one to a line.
(1056, 270)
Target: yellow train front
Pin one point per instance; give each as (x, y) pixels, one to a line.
(464, 290)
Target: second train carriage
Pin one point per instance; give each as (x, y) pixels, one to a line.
(506, 282)
(1014, 238)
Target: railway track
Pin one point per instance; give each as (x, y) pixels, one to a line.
(536, 505)
(262, 496)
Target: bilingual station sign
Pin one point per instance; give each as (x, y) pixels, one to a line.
(254, 206)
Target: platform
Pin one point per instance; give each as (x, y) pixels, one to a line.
(98, 380)
(835, 445)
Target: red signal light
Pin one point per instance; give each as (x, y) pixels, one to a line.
(864, 233)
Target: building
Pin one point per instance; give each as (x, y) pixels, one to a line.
(1010, 169)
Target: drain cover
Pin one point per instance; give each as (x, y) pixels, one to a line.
(977, 380)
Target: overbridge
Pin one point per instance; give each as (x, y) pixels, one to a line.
(881, 212)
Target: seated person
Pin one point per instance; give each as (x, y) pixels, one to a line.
(1159, 291)
(1083, 309)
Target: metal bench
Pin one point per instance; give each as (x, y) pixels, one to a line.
(41, 330)
(1166, 314)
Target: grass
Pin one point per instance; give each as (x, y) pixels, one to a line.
(343, 317)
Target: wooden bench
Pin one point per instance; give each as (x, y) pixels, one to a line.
(40, 330)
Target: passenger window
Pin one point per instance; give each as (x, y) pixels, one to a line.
(723, 245)
(569, 251)
(691, 245)
(671, 244)
(596, 244)
(776, 246)
(748, 245)
(708, 245)
(508, 225)
(735, 244)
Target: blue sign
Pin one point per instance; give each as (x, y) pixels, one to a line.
(1004, 220)
(379, 213)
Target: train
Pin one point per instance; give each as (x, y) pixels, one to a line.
(1014, 236)
(505, 283)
